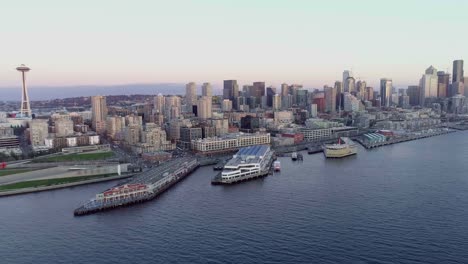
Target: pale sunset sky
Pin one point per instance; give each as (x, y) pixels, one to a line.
(104, 42)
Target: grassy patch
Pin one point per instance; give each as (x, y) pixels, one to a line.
(77, 157)
(5, 172)
(50, 182)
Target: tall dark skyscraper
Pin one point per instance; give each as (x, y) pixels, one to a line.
(457, 71)
(258, 90)
(413, 92)
(230, 89)
(339, 91)
(270, 92)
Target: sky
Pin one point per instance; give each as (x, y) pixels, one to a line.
(110, 42)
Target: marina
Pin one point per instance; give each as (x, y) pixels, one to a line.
(141, 188)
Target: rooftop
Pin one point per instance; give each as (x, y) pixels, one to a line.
(252, 154)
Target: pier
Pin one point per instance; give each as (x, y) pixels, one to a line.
(370, 145)
(143, 187)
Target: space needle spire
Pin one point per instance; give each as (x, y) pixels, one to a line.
(25, 109)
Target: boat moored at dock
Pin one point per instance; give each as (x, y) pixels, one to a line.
(294, 156)
(248, 163)
(277, 165)
(343, 148)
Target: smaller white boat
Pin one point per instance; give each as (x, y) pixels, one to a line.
(294, 156)
(277, 165)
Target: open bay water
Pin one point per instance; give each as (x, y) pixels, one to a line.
(405, 203)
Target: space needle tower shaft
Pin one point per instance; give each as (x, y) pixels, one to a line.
(25, 109)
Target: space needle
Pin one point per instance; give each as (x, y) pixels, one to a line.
(25, 110)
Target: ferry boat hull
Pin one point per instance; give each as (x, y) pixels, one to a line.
(340, 150)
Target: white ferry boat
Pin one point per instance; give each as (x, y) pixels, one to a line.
(345, 147)
(248, 163)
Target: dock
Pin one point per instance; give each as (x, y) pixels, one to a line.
(370, 145)
(150, 184)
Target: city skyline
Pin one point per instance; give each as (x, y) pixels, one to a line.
(133, 44)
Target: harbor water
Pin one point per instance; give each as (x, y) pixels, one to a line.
(403, 203)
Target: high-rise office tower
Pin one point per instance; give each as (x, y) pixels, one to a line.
(159, 103)
(346, 75)
(226, 105)
(428, 84)
(466, 86)
(172, 107)
(458, 75)
(369, 93)
(414, 95)
(270, 92)
(339, 91)
(230, 89)
(276, 102)
(385, 91)
(190, 95)
(25, 109)
(330, 99)
(457, 88)
(302, 96)
(204, 107)
(284, 89)
(207, 90)
(350, 84)
(258, 89)
(443, 82)
(99, 113)
(361, 89)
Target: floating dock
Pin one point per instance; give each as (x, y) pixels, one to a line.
(141, 188)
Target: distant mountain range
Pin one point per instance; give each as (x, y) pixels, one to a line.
(49, 92)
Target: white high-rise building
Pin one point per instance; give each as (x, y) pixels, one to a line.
(190, 95)
(172, 107)
(313, 110)
(207, 90)
(204, 107)
(428, 84)
(159, 104)
(350, 103)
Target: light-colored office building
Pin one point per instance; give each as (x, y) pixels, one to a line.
(207, 90)
(204, 107)
(38, 132)
(229, 142)
(99, 113)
